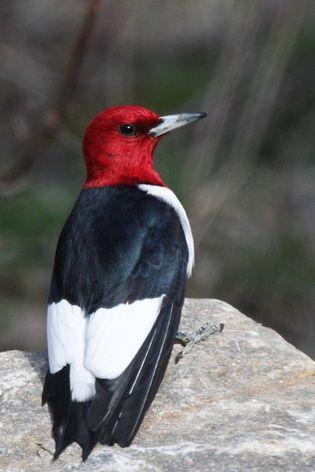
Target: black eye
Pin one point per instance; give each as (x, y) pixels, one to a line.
(128, 130)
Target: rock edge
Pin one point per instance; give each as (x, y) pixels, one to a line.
(240, 400)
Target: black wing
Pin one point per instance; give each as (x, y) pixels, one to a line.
(120, 245)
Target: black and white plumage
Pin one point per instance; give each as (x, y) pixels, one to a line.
(114, 307)
(118, 284)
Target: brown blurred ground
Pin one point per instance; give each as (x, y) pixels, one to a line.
(246, 174)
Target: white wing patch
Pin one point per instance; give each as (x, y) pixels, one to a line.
(66, 326)
(100, 345)
(115, 335)
(169, 197)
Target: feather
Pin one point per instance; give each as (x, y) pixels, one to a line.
(148, 379)
(69, 417)
(122, 252)
(118, 409)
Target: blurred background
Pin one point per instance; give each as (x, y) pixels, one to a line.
(246, 174)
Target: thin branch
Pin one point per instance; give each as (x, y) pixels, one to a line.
(78, 54)
(252, 122)
(53, 118)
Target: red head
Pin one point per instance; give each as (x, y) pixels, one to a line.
(119, 143)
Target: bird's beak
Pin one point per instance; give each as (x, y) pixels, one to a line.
(170, 122)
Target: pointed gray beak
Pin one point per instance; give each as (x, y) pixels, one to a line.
(170, 122)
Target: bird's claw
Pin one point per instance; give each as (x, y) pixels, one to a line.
(182, 338)
(200, 334)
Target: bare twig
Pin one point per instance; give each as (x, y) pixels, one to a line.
(53, 118)
(265, 83)
(78, 54)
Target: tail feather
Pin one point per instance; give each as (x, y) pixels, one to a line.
(143, 391)
(69, 417)
(108, 394)
(117, 418)
(116, 412)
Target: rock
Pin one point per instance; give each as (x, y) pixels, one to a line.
(240, 400)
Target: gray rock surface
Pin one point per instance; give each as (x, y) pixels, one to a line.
(242, 400)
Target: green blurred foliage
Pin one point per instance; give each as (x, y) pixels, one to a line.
(246, 174)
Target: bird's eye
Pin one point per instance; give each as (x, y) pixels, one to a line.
(128, 130)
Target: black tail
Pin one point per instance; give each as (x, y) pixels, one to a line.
(119, 407)
(69, 417)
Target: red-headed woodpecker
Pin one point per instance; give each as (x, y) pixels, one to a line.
(118, 284)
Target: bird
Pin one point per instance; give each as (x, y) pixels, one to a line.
(118, 284)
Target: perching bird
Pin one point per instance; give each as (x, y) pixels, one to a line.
(118, 284)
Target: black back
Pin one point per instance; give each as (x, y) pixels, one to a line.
(118, 244)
